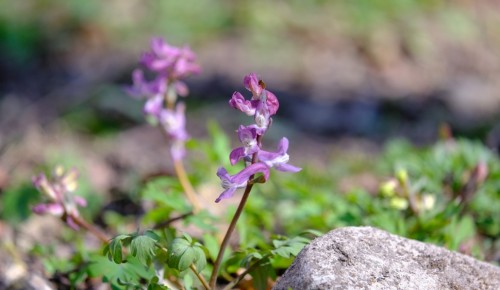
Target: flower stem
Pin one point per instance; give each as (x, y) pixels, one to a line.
(232, 225)
(186, 185)
(200, 277)
(229, 231)
(90, 228)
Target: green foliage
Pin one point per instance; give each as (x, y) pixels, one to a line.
(114, 249)
(119, 275)
(15, 203)
(287, 248)
(447, 194)
(143, 247)
(184, 252)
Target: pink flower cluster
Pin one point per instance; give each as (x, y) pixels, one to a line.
(170, 65)
(261, 106)
(59, 192)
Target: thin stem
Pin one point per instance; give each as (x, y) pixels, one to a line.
(229, 231)
(200, 277)
(242, 275)
(411, 200)
(90, 228)
(232, 225)
(169, 221)
(186, 185)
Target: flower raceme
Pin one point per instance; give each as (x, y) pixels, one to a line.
(59, 192)
(261, 106)
(169, 64)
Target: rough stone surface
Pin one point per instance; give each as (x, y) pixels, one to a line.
(369, 258)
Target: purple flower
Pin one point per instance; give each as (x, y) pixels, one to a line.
(42, 184)
(174, 122)
(254, 85)
(55, 209)
(154, 105)
(175, 62)
(247, 136)
(238, 102)
(61, 202)
(141, 88)
(177, 149)
(161, 56)
(278, 159)
(263, 104)
(232, 182)
(271, 102)
(262, 116)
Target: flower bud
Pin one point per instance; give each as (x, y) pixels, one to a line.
(398, 203)
(388, 188)
(402, 176)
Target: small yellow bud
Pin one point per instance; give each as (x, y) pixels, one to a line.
(69, 180)
(402, 176)
(59, 171)
(388, 188)
(399, 203)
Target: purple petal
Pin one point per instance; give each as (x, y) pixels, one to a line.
(55, 209)
(268, 157)
(272, 102)
(283, 145)
(181, 89)
(250, 170)
(71, 223)
(42, 184)
(154, 105)
(222, 173)
(226, 194)
(262, 115)
(236, 155)
(238, 102)
(174, 122)
(80, 201)
(246, 134)
(177, 150)
(251, 82)
(285, 167)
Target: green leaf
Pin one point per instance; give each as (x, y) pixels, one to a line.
(144, 247)
(200, 259)
(153, 284)
(253, 255)
(261, 274)
(131, 272)
(203, 220)
(166, 191)
(211, 245)
(114, 248)
(183, 252)
(289, 247)
(180, 254)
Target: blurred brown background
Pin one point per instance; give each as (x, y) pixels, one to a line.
(368, 70)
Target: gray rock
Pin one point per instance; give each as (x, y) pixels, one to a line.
(369, 258)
